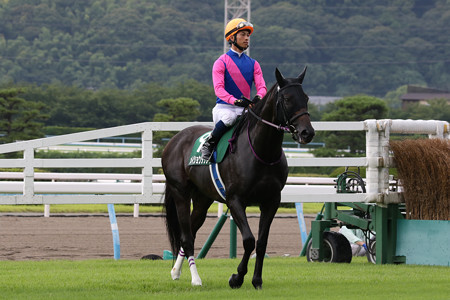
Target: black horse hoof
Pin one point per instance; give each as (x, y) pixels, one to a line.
(257, 283)
(235, 281)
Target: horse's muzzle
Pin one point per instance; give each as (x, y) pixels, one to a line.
(305, 136)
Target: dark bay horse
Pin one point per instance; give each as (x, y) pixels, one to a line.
(255, 173)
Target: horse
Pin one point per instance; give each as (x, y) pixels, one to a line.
(253, 174)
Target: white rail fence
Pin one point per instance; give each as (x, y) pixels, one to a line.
(29, 187)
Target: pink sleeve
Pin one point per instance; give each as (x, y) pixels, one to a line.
(218, 76)
(260, 84)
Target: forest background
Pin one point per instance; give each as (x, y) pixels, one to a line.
(102, 63)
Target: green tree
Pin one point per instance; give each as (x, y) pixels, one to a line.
(392, 98)
(437, 109)
(97, 44)
(19, 119)
(200, 92)
(355, 108)
(178, 110)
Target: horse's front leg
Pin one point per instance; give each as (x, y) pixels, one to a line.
(268, 211)
(240, 218)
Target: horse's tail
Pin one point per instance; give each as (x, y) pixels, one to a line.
(172, 224)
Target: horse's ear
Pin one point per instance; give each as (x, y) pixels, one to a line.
(280, 78)
(302, 75)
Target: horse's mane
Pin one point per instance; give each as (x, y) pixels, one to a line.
(247, 118)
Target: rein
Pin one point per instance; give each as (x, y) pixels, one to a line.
(287, 128)
(256, 155)
(278, 127)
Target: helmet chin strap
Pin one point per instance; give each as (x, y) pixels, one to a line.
(237, 46)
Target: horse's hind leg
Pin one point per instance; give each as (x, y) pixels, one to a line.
(172, 201)
(200, 207)
(176, 270)
(187, 236)
(178, 202)
(197, 218)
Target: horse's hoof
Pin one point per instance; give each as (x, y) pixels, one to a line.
(257, 283)
(197, 282)
(175, 275)
(235, 281)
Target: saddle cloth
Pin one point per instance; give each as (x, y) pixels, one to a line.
(196, 156)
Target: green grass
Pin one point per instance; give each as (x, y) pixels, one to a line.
(309, 208)
(284, 278)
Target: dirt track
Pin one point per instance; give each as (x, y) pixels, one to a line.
(34, 237)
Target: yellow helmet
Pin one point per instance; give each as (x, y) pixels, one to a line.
(237, 25)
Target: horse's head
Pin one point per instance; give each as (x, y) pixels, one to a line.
(292, 107)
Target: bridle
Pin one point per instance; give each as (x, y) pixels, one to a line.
(281, 107)
(287, 126)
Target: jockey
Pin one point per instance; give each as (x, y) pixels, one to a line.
(233, 74)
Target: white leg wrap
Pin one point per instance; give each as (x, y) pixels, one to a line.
(176, 270)
(196, 281)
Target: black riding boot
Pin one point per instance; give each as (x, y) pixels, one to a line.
(211, 142)
(208, 146)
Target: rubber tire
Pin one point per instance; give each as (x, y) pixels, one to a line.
(337, 248)
(372, 257)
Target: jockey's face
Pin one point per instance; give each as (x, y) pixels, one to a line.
(242, 39)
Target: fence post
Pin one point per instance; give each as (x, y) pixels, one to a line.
(115, 231)
(147, 170)
(46, 210)
(136, 210)
(301, 222)
(28, 174)
(372, 152)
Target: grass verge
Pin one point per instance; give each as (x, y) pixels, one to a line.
(284, 278)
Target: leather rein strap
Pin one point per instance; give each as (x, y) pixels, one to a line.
(288, 127)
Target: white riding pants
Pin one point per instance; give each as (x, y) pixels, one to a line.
(227, 113)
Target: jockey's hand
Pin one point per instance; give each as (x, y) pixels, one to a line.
(256, 99)
(243, 102)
